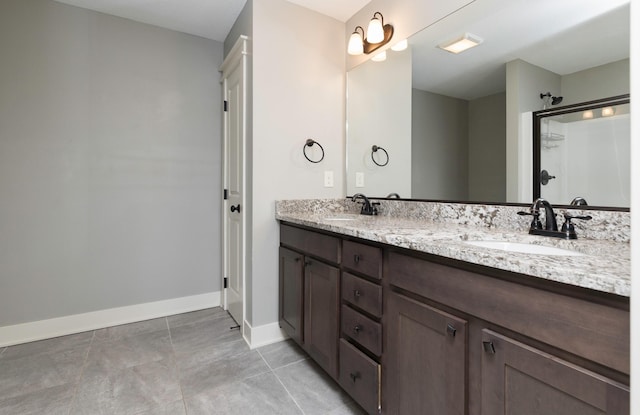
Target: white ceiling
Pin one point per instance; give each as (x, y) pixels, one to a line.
(211, 19)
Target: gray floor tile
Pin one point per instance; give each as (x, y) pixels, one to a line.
(208, 314)
(129, 330)
(21, 376)
(131, 351)
(313, 390)
(258, 395)
(348, 409)
(282, 353)
(191, 338)
(147, 387)
(50, 401)
(200, 374)
(57, 344)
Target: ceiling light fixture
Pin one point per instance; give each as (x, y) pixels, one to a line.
(378, 34)
(467, 41)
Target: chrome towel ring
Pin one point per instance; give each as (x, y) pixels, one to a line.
(310, 143)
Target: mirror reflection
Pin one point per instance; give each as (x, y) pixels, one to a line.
(459, 127)
(583, 153)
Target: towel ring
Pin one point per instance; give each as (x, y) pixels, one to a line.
(310, 143)
(375, 149)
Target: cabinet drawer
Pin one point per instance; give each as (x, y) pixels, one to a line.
(316, 244)
(362, 329)
(360, 377)
(362, 258)
(362, 294)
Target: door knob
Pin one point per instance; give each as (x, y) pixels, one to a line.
(235, 208)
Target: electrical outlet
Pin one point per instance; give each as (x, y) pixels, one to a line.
(328, 178)
(359, 179)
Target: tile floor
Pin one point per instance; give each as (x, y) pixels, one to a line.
(184, 364)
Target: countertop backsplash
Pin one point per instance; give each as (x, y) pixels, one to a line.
(606, 225)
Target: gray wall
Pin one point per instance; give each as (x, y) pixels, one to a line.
(439, 156)
(487, 151)
(109, 162)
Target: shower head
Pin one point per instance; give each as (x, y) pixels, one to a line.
(554, 100)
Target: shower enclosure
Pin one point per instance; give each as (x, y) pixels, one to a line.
(583, 150)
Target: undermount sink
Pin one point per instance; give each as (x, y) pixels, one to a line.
(524, 248)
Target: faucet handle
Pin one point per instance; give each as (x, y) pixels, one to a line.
(535, 222)
(567, 226)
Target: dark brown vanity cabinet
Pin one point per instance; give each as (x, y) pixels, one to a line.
(407, 333)
(310, 293)
(466, 342)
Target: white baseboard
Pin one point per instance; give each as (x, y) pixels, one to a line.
(77, 323)
(263, 335)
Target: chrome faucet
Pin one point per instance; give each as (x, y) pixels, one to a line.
(368, 208)
(391, 195)
(551, 225)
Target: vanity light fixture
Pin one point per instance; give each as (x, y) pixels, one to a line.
(467, 41)
(378, 34)
(587, 115)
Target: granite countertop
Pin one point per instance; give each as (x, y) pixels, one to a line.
(606, 265)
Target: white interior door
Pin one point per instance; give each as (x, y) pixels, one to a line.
(233, 74)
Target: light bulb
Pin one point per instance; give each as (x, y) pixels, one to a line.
(587, 115)
(402, 45)
(375, 32)
(355, 44)
(380, 56)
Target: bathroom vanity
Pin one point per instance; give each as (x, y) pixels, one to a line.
(411, 319)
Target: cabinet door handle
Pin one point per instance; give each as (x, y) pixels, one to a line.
(235, 208)
(357, 328)
(489, 347)
(356, 258)
(451, 331)
(307, 263)
(357, 293)
(354, 376)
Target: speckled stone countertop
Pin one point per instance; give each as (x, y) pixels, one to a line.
(443, 228)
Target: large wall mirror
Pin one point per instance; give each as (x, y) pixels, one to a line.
(459, 127)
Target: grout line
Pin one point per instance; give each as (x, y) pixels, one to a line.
(175, 363)
(81, 376)
(288, 392)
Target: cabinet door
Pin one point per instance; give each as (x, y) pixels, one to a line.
(425, 362)
(291, 294)
(321, 323)
(520, 380)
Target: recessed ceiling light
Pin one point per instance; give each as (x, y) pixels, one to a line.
(467, 41)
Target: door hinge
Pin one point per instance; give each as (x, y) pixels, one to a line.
(225, 194)
(226, 105)
(226, 282)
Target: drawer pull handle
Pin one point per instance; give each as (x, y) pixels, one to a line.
(307, 263)
(354, 376)
(451, 331)
(356, 258)
(489, 347)
(357, 293)
(357, 328)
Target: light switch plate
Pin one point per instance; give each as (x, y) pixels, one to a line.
(359, 179)
(328, 178)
